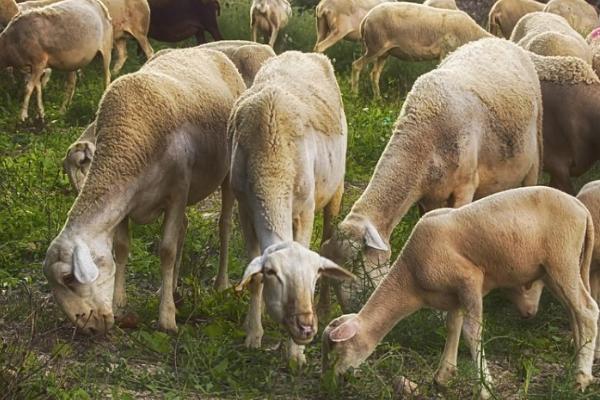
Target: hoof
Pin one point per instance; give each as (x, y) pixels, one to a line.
(444, 374)
(253, 341)
(169, 326)
(583, 380)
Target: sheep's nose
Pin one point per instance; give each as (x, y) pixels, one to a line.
(528, 314)
(306, 325)
(306, 330)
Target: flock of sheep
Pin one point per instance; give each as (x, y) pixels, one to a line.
(270, 131)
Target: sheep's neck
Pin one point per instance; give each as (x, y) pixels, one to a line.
(394, 299)
(8, 9)
(395, 185)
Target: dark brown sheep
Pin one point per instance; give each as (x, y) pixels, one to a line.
(176, 20)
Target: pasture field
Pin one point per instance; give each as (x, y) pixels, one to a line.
(41, 356)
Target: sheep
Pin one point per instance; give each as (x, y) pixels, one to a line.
(593, 41)
(580, 15)
(411, 32)
(447, 4)
(161, 145)
(549, 34)
(66, 35)
(247, 56)
(505, 14)
(340, 19)
(269, 16)
(505, 240)
(289, 144)
(469, 128)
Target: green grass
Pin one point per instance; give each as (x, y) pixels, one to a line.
(40, 357)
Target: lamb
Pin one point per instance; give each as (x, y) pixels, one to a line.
(66, 35)
(580, 15)
(269, 16)
(447, 4)
(593, 41)
(505, 14)
(247, 56)
(411, 32)
(550, 35)
(469, 128)
(161, 144)
(289, 146)
(340, 19)
(479, 247)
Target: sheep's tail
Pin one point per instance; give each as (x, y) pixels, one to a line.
(588, 250)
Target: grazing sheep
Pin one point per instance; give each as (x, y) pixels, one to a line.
(549, 34)
(66, 35)
(505, 240)
(411, 32)
(580, 15)
(289, 147)
(469, 128)
(268, 17)
(593, 41)
(247, 56)
(505, 14)
(176, 20)
(161, 145)
(447, 4)
(340, 19)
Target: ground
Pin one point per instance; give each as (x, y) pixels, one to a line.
(41, 356)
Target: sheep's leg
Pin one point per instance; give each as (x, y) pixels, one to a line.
(255, 33)
(252, 324)
(121, 250)
(273, 38)
(334, 37)
(46, 77)
(69, 90)
(180, 243)
(144, 43)
(39, 100)
(106, 58)
(471, 299)
(357, 67)
(376, 75)
(447, 368)
(464, 194)
(561, 180)
(567, 284)
(222, 281)
(121, 45)
(330, 212)
(173, 221)
(595, 292)
(30, 84)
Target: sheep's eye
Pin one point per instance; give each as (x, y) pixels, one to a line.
(68, 279)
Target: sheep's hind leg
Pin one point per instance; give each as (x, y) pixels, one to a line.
(595, 292)
(334, 37)
(32, 83)
(173, 220)
(121, 46)
(447, 368)
(180, 242)
(121, 249)
(144, 44)
(376, 75)
(69, 90)
(273, 38)
(227, 200)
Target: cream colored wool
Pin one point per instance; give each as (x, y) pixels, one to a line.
(505, 14)
(447, 4)
(580, 15)
(564, 70)
(268, 17)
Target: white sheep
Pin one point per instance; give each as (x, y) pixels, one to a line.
(580, 15)
(447, 4)
(247, 56)
(340, 19)
(549, 34)
(289, 147)
(469, 128)
(505, 240)
(161, 145)
(411, 32)
(66, 35)
(268, 17)
(505, 14)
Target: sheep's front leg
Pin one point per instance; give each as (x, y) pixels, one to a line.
(168, 254)
(253, 323)
(69, 90)
(273, 38)
(595, 292)
(376, 75)
(32, 82)
(255, 32)
(121, 45)
(447, 368)
(222, 281)
(295, 354)
(334, 37)
(180, 243)
(121, 250)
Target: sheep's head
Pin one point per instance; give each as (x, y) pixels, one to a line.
(77, 162)
(357, 240)
(82, 281)
(345, 345)
(289, 272)
(527, 298)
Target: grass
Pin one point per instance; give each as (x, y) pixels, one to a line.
(41, 357)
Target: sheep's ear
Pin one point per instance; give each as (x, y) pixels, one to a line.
(373, 240)
(331, 270)
(84, 269)
(255, 267)
(345, 331)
